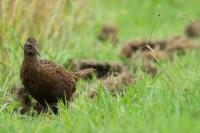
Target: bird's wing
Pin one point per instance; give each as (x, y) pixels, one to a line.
(56, 75)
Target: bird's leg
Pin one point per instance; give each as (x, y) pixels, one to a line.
(39, 107)
(54, 108)
(25, 99)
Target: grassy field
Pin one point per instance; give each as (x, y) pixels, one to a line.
(67, 29)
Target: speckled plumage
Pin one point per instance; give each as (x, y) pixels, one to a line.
(45, 80)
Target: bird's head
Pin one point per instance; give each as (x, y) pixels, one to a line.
(31, 47)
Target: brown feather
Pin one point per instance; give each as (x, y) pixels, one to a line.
(45, 80)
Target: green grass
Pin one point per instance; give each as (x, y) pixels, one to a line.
(67, 29)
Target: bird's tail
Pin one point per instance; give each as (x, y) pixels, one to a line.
(83, 73)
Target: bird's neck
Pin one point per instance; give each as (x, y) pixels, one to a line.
(31, 61)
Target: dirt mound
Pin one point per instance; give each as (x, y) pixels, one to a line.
(115, 84)
(193, 29)
(160, 49)
(161, 44)
(102, 68)
(134, 45)
(154, 55)
(150, 67)
(180, 43)
(151, 52)
(109, 33)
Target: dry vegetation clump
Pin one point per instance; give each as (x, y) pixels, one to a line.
(180, 43)
(150, 67)
(158, 49)
(151, 52)
(109, 33)
(193, 29)
(154, 55)
(132, 46)
(161, 44)
(102, 68)
(114, 84)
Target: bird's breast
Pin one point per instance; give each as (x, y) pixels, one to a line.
(29, 77)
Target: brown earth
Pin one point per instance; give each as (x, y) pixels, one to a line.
(108, 33)
(115, 84)
(102, 68)
(193, 29)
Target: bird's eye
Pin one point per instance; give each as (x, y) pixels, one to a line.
(29, 46)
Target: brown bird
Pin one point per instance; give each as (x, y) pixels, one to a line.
(45, 80)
